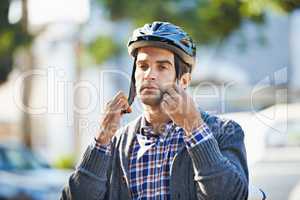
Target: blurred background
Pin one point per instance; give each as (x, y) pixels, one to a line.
(60, 61)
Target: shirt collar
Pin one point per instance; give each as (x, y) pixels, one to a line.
(146, 128)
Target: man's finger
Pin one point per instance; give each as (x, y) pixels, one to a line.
(164, 106)
(118, 105)
(179, 89)
(119, 95)
(125, 107)
(173, 93)
(108, 103)
(169, 100)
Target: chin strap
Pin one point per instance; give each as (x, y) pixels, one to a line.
(177, 68)
(132, 89)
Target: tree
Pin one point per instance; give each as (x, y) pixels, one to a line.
(27, 90)
(207, 21)
(12, 36)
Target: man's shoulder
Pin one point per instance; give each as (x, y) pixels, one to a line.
(220, 124)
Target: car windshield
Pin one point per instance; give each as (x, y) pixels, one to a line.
(19, 159)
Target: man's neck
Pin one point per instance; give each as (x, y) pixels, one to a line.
(156, 117)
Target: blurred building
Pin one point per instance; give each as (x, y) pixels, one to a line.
(256, 66)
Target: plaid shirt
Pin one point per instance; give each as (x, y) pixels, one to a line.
(151, 158)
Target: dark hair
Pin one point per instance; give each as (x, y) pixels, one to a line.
(181, 67)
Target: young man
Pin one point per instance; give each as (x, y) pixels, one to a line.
(172, 151)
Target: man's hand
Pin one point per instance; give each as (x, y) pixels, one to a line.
(181, 108)
(110, 121)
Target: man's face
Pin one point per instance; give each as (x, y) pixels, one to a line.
(155, 69)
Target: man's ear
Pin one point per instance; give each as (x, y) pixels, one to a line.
(185, 80)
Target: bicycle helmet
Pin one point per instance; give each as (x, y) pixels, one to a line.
(163, 35)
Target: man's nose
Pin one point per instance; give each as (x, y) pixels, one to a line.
(150, 74)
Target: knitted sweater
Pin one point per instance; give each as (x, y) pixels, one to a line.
(215, 169)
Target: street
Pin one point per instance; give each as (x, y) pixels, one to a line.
(278, 174)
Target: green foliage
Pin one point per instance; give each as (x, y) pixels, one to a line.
(65, 162)
(12, 36)
(207, 21)
(102, 48)
(6, 41)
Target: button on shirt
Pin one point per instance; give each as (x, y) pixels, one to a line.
(151, 157)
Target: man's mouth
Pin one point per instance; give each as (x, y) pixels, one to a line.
(147, 87)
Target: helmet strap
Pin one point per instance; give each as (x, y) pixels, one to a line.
(132, 89)
(177, 69)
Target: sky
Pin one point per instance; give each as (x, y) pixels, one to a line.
(48, 11)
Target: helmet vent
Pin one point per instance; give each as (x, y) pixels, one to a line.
(156, 26)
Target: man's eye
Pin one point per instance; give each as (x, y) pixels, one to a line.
(143, 67)
(162, 67)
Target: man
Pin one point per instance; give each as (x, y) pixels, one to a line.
(172, 151)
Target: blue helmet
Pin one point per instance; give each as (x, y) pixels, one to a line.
(164, 35)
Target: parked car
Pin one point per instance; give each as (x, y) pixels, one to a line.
(24, 176)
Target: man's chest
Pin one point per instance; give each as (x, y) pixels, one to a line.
(151, 163)
(153, 152)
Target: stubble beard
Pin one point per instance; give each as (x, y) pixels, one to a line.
(151, 99)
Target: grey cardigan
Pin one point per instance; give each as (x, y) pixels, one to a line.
(215, 169)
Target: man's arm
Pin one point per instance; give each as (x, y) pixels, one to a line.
(90, 179)
(220, 164)
(220, 167)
